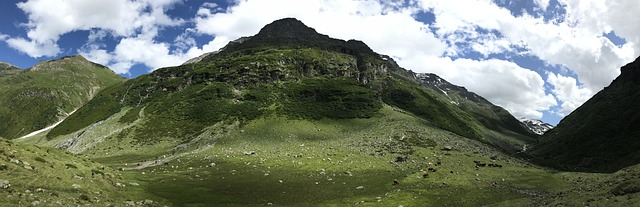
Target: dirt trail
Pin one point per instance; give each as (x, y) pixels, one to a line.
(164, 159)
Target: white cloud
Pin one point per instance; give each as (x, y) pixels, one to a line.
(568, 92)
(369, 21)
(146, 51)
(49, 19)
(33, 49)
(519, 90)
(136, 50)
(576, 44)
(543, 4)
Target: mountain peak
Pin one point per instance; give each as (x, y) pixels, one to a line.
(287, 28)
(7, 66)
(8, 69)
(537, 126)
(57, 64)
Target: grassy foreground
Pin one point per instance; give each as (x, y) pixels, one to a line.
(384, 160)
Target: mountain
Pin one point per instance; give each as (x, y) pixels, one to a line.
(8, 69)
(285, 69)
(537, 126)
(603, 134)
(290, 117)
(40, 96)
(491, 116)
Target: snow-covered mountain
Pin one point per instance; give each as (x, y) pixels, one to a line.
(537, 126)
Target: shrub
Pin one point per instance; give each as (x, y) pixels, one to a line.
(40, 159)
(84, 197)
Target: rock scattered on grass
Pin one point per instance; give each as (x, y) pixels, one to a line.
(4, 184)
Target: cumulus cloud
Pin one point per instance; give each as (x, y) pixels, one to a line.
(519, 90)
(119, 18)
(567, 90)
(574, 41)
(369, 21)
(543, 4)
(34, 49)
(576, 44)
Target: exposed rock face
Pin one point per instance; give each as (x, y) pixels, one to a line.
(537, 126)
(288, 28)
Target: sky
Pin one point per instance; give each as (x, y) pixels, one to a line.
(539, 59)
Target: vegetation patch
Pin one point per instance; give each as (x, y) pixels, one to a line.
(427, 106)
(338, 98)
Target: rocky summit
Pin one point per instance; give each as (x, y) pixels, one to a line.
(537, 126)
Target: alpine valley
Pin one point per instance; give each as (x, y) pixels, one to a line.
(291, 117)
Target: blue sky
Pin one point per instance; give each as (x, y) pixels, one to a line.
(537, 58)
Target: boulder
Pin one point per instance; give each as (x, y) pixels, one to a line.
(4, 184)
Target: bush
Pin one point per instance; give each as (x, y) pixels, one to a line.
(40, 159)
(84, 197)
(336, 98)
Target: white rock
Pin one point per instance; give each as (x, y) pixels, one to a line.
(4, 184)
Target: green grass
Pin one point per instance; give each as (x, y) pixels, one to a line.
(428, 106)
(301, 152)
(599, 133)
(36, 98)
(56, 178)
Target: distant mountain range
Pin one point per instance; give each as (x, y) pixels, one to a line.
(537, 126)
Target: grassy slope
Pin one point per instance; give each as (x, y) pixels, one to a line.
(292, 155)
(507, 132)
(52, 177)
(189, 98)
(40, 96)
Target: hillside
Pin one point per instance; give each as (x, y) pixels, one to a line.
(44, 94)
(493, 117)
(287, 69)
(39, 176)
(602, 134)
(8, 69)
(290, 117)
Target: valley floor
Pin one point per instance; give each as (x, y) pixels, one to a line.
(390, 160)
